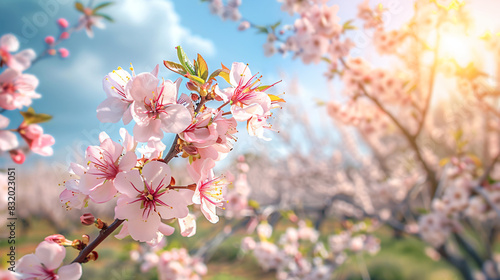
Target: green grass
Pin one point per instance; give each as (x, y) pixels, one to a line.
(398, 259)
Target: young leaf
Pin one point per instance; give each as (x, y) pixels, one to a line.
(196, 79)
(102, 5)
(175, 67)
(202, 68)
(225, 73)
(214, 74)
(275, 98)
(30, 117)
(106, 17)
(79, 6)
(184, 60)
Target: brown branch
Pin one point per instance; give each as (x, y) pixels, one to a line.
(103, 234)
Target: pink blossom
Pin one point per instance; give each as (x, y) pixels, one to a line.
(117, 104)
(155, 108)
(146, 200)
(16, 89)
(20, 61)
(245, 97)
(38, 142)
(44, 264)
(8, 139)
(187, 225)
(88, 20)
(104, 162)
(209, 191)
(244, 25)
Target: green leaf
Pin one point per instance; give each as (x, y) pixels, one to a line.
(202, 68)
(79, 6)
(196, 79)
(102, 5)
(175, 67)
(30, 117)
(184, 60)
(274, 26)
(261, 29)
(106, 17)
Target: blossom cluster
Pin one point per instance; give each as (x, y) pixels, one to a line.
(174, 264)
(17, 90)
(139, 174)
(286, 255)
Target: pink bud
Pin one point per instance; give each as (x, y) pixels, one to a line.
(63, 23)
(17, 156)
(63, 52)
(87, 219)
(244, 25)
(49, 40)
(58, 238)
(64, 35)
(51, 52)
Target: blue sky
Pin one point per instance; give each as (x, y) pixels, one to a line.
(145, 33)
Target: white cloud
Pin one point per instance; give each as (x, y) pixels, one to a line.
(159, 17)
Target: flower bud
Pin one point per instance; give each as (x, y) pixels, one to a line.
(87, 219)
(52, 52)
(63, 23)
(191, 86)
(17, 156)
(100, 224)
(85, 239)
(64, 35)
(78, 244)
(49, 40)
(59, 239)
(92, 256)
(194, 97)
(63, 52)
(244, 25)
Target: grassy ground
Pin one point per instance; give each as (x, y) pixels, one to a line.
(398, 258)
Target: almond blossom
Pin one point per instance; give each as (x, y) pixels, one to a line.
(18, 62)
(209, 191)
(16, 89)
(118, 101)
(244, 96)
(146, 200)
(45, 264)
(155, 108)
(38, 142)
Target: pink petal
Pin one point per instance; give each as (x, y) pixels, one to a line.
(152, 129)
(156, 172)
(127, 183)
(104, 192)
(8, 140)
(111, 110)
(128, 161)
(50, 254)
(28, 264)
(144, 230)
(176, 120)
(9, 43)
(166, 229)
(238, 72)
(70, 272)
